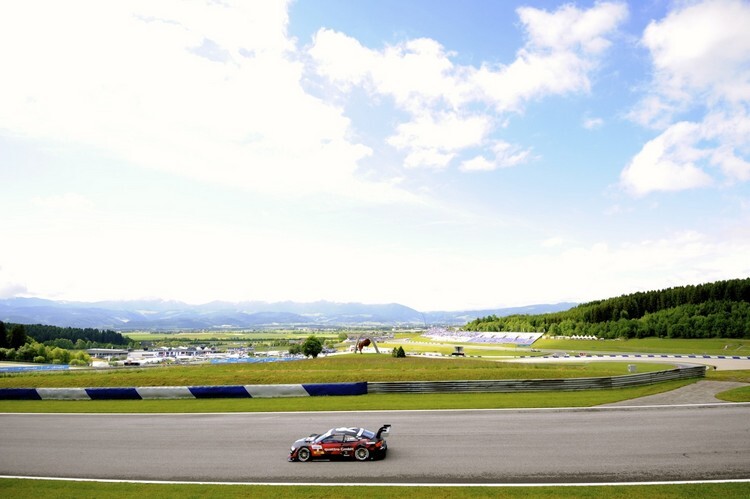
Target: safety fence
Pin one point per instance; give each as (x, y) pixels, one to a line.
(537, 385)
(185, 392)
(362, 388)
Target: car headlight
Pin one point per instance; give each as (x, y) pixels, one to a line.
(292, 448)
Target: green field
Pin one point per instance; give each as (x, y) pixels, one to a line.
(334, 369)
(713, 346)
(32, 489)
(415, 343)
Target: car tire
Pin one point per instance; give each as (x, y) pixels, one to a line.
(303, 454)
(361, 454)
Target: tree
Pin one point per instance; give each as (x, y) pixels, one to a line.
(17, 337)
(3, 336)
(295, 349)
(312, 347)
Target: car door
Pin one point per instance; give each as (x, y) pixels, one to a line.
(350, 442)
(332, 445)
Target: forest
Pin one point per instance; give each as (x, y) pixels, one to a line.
(67, 337)
(713, 310)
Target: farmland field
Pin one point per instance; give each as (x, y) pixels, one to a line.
(334, 369)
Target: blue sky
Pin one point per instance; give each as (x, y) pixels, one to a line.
(443, 155)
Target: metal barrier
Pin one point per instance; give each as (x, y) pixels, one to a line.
(536, 385)
(360, 388)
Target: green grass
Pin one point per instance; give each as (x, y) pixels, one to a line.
(712, 346)
(335, 369)
(737, 395)
(741, 376)
(393, 402)
(32, 489)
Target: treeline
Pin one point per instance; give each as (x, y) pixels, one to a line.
(16, 345)
(713, 310)
(88, 337)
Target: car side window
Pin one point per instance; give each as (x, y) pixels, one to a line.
(350, 438)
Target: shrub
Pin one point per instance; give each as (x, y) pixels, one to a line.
(312, 347)
(39, 359)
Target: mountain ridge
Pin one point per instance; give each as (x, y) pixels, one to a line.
(128, 315)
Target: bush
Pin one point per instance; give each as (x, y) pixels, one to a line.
(78, 362)
(312, 347)
(39, 359)
(398, 352)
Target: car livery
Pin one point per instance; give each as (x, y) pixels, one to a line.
(342, 443)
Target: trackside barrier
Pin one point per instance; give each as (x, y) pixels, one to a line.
(537, 385)
(185, 392)
(363, 388)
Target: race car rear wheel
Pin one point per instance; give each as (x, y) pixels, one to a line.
(361, 454)
(303, 454)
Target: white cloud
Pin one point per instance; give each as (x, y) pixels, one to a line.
(703, 47)
(571, 28)
(667, 163)
(429, 137)
(701, 59)
(505, 156)
(580, 272)
(553, 242)
(478, 164)
(593, 123)
(563, 47)
(208, 90)
(69, 201)
(10, 287)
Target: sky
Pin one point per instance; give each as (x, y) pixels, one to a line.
(439, 154)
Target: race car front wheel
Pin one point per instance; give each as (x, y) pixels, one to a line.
(303, 454)
(361, 454)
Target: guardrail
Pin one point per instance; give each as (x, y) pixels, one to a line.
(536, 385)
(360, 388)
(185, 392)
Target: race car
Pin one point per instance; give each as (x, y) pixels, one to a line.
(342, 443)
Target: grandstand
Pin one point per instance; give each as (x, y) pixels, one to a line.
(502, 337)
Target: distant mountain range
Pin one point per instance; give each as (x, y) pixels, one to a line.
(173, 315)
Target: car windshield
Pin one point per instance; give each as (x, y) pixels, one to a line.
(321, 437)
(362, 433)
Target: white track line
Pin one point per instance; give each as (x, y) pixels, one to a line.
(375, 484)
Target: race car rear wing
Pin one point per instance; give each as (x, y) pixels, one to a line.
(384, 430)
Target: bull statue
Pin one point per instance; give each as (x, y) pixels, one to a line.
(362, 344)
(365, 342)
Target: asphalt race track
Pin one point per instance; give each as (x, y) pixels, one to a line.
(708, 442)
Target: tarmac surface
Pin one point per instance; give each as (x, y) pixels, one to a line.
(702, 392)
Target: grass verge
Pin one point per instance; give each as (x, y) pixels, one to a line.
(708, 346)
(736, 395)
(32, 489)
(335, 369)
